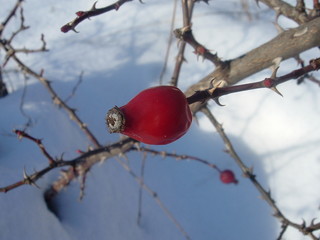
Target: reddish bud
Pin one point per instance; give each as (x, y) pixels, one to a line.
(200, 50)
(80, 151)
(66, 28)
(80, 13)
(227, 176)
(268, 82)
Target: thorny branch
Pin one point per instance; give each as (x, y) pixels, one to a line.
(248, 173)
(289, 11)
(271, 83)
(79, 165)
(83, 15)
(22, 134)
(187, 10)
(185, 34)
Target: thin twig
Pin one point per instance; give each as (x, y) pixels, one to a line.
(187, 10)
(143, 164)
(176, 156)
(22, 101)
(9, 17)
(79, 165)
(156, 197)
(164, 68)
(83, 15)
(185, 34)
(73, 92)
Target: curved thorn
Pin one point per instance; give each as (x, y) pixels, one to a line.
(25, 175)
(276, 91)
(211, 83)
(218, 102)
(93, 8)
(312, 221)
(303, 225)
(73, 29)
(275, 66)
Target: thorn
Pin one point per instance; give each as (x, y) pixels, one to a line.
(301, 32)
(137, 145)
(93, 8)
(275, 66)
(303, 225)
(28, 180)
(312, 221)
(186, 29)
(218, 102)
(211, 83)
(73, 29)
(276, 91)
(212, 88)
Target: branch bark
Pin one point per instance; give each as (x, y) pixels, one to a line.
(286, 45)
(287, 10)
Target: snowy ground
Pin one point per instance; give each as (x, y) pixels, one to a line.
(120, 54)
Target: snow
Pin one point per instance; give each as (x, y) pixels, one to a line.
(120, 54)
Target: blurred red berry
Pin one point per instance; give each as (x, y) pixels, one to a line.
(158, 115)
(227, 176)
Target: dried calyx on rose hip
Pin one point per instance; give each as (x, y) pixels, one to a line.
(227, 176)
(158, 115)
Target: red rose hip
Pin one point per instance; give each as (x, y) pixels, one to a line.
(227, 176)
(158, 115)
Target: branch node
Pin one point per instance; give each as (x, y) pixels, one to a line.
(28, 180)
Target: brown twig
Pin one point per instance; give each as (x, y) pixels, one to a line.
(142, 170)
(79, 165)
(164, 68)
(83, 15)
(74, 89)
(22, 134)
(88, 160)
(9, 17)
(185, 35)
(175, 156)
(187, 10)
